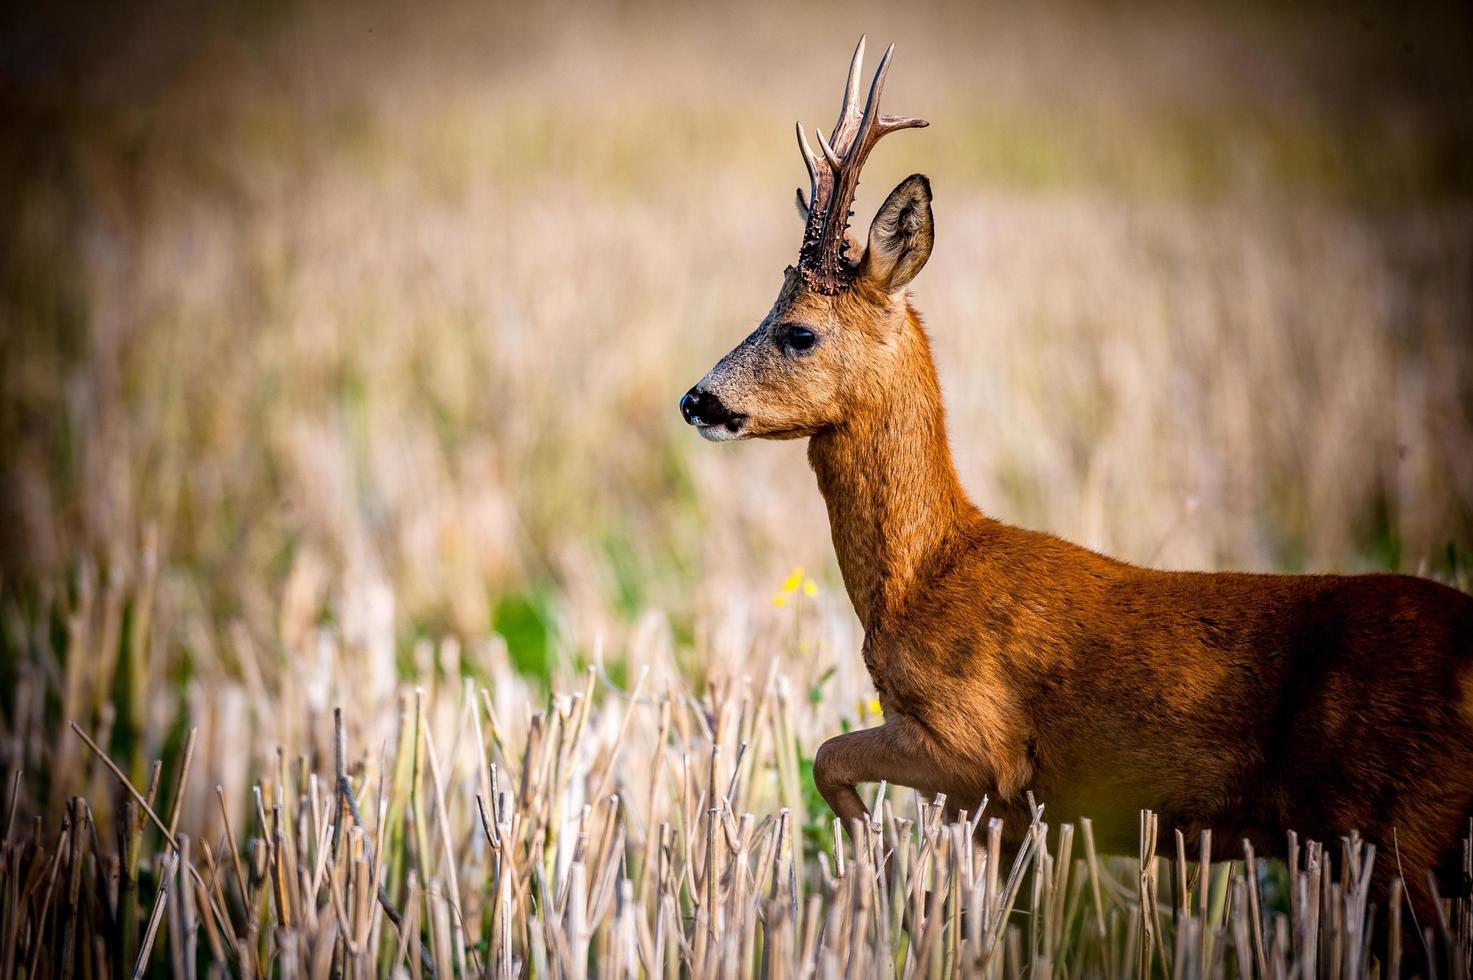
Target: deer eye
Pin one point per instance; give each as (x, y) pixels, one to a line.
(800, 339)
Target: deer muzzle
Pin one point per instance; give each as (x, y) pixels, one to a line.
(706, 412)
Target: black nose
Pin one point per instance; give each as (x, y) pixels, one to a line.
(703, 408)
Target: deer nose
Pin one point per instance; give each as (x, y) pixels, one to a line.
(703, 408)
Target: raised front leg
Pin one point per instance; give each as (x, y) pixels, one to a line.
(896, 752)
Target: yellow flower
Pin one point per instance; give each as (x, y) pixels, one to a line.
(791, 583)
(874, 706)
(779, 600)
(810, 588)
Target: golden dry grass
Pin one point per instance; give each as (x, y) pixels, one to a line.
(341, 349)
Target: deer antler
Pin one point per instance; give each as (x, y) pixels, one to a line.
(835, 176)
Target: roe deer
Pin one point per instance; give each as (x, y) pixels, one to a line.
(1008, 660)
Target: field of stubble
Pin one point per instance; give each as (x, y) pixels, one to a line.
(339, 360)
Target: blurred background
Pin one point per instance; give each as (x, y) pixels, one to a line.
(369, 321)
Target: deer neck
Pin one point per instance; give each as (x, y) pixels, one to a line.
(886, 474)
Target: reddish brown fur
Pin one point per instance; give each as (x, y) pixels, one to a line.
(1008, 660)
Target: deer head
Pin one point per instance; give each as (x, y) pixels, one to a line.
(824, 349)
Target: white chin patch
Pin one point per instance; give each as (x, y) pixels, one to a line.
(723, 432)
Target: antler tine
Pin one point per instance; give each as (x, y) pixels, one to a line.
(850, 111)
(877, 85)
(820, 178)
(889, 124)
(867, 126)
(828, 151)
(808, 159)
(856, 63)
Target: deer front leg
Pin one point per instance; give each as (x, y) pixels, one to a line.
(895, 752)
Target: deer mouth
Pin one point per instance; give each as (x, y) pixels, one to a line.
(727, 430)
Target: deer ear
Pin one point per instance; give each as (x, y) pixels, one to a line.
(900, 237)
